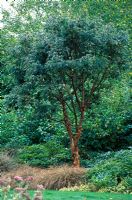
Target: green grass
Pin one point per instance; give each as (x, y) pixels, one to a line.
(59, 195)
(64, 195)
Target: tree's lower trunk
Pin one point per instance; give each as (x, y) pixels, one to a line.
(75, 154)
(76, 158)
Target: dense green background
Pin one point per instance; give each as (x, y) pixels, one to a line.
(107, 126)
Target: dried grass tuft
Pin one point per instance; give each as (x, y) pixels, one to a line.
(52, 178)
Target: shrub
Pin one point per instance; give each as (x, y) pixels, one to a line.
(124, 187)
(113, 173)
(22, 140)
(52, 178)
(44, 155)
(6, 163)
(96, 158)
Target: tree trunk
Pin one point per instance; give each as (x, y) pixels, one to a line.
(75, 154)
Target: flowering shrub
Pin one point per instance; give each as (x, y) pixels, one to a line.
(21, 190)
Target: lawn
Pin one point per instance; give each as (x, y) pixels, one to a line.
(66, 195)
(59, 195)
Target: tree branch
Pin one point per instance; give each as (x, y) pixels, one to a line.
(96, 86)
(75, 92)
(69, 107)
(74, 112)
(79, 129)
(72, 104)
(66, 118)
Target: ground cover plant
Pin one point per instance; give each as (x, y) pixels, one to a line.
(113, 174)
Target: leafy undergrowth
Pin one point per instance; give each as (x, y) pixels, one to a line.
(113, 174)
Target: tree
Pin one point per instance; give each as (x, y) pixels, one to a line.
(67, 65)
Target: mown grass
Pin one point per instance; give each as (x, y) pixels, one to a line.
(64, 195)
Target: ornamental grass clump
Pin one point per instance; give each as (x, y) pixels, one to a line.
(51, 178)
(6, 163)
(21, 189)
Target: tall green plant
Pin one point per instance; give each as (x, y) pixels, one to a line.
(67, 66)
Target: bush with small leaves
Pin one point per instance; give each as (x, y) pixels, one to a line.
(44, 155)
(113, 174)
